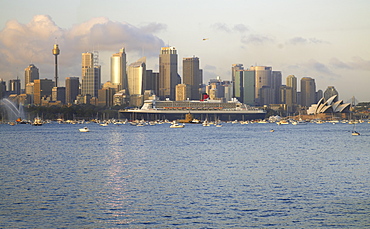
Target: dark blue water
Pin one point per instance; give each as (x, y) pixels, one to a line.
(308, 176)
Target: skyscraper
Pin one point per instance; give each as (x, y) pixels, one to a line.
(291, 81)
(30, 74)
(72, 89)
(329, 92)
(236, 80)
(308, 91)
(249, 87)
(191, 76)
(136, 76)
(276, 83)
(168, 77)
(118, 75)
(90, 75)
(263, 83)
(42, 88)
(15, 86)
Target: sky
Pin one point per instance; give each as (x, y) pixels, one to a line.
(327, 40)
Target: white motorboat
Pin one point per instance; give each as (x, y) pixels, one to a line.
(176, 125)
(85, 129)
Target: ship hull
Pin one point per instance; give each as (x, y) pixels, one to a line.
(200, 115)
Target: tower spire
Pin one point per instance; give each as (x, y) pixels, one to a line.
(56, 52)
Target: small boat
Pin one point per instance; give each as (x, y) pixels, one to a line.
(104, 124)
(85, 129)
(37, 122)
(272, 130)
(176, 125)
(354, 132)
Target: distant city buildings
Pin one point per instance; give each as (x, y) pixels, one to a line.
(130, 85)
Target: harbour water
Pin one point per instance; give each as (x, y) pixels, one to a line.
(123, 176)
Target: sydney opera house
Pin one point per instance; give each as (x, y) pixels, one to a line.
(329, 108)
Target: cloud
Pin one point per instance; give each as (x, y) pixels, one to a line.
(22, 44)
(339, 64)
(356, 63)
(256, 39)
(241, 28)
(319, 67)
(305, 41)
(154, 27)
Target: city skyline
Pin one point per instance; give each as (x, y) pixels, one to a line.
(323, 40)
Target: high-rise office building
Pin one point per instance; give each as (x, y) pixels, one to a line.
(91, 75)
(329, 92)
(136, 77)
(2, 88)
(191, 76)
(72, 89)
(168, 77)
(152, 81)
(42, 88)
(236, 80)
(291, 81)
(286, 97)
(30, 74)
(15, 86)
(118, 75)
(276, 82)
(263, 82)
(249, 86)
(308, 91)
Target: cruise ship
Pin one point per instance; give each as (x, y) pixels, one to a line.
(201, 110)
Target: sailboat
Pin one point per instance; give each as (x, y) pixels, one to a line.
(354, 132)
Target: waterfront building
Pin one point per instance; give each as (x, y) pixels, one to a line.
(191, 76)
(168, 76)
(42, 90)
(330, 92)
(91, 74)
(291, 81)
(30, 74)
(118, 73)
(15, 86)
(308, 91)
(136, 76)
(120, 98)
(72, 89)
